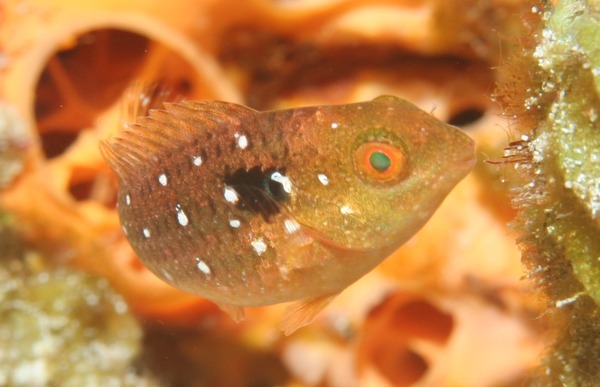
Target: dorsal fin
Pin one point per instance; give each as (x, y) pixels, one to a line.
(140, 97)
(148, 140)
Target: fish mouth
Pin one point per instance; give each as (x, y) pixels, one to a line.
(459, 169)
(469, 161)
(469, 158)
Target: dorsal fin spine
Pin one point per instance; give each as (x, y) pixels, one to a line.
(130, 154)
(138, 140)
(140, 144)
(120, 165)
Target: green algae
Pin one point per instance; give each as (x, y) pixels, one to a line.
(569, 53)
(60, 327)
(567, 141)
(558, 110)
(13, 143)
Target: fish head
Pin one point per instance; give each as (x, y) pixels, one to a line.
(369, 175)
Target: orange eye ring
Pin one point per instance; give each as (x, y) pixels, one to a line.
(380, 161)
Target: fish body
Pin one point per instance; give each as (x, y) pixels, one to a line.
(250, 208)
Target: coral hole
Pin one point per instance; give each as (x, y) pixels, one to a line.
(421, 319)
(392, 329)
(92, 184)
(81, 80)
(89, 73)
(466, 116)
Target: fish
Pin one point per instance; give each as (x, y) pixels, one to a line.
(250, 208)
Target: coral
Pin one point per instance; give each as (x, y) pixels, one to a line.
(13, 140)
(59, 326)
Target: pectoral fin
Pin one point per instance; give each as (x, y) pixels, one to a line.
(236, 312)
(303, 312)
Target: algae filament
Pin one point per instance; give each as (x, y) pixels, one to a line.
(559, 193)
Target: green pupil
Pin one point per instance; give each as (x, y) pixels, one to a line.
(380, 161)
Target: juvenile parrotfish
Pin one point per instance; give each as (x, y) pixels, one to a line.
(250, 208)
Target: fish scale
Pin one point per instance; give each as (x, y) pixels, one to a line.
(287, 205)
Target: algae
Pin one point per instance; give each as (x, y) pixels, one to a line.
(14, 140)
(558, 157)
(61, 327)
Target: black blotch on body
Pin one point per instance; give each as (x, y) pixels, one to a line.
(257, 191)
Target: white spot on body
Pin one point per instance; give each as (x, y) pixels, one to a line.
(346, 210)
(202, 266)
(235, 223)
(285, 181)
(259, 246)
(128, 200)
(230, 195)
(124, 230)
(162, 179)
(197, 160)
(146, 233)
(335, 125)
(181, 216)
(242, 140)
(323, 179)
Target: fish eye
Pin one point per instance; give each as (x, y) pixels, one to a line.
(380, 162)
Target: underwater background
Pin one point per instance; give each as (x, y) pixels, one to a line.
(499, 288)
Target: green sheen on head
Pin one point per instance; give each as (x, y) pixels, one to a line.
(369, 175)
